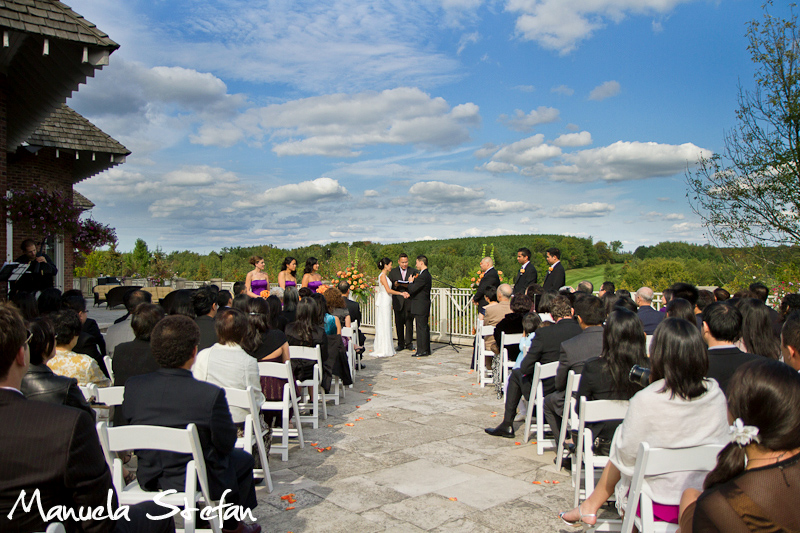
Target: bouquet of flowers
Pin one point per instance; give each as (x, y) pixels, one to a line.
(91, 235)
(359, 285)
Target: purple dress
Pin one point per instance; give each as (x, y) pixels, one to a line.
(258, 285)
(314, 285)
(289, 283)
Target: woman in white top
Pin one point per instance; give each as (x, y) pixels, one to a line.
(383, 345)
(679, 409)
(225, 363)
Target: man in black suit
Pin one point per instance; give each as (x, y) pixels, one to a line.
(722, 327)
(556, 277)
(172, 397)
(204, 301)
(403, 321)
(354, 310)
(590, 313)
(650, 317)
(488, 284)
(527, 274)
(40, 273)
(545, 348)
(419, 292)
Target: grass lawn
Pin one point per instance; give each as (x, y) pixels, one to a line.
(595, 274)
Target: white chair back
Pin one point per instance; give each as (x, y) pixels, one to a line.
(110, 396)
(508, 339)
(287, 405)
(481, 353)
(107, 361)
(253, 433)
(569, 416)
(312, 386)
(540, 372)
(56, 527)
(89, 392)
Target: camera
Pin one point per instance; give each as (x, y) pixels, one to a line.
(640, 375)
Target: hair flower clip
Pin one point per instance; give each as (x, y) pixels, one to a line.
(743, 435)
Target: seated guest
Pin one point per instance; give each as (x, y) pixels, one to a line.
(623, 293)
(225, 363)
(224, 299)
(90, 342)
(543, 307)
(510, 323)
(530, 323)
(290, 301)
(172, 397)
(680, 308)
(722, 327)
(335, 361)
(121, 331)
(266, 342)
(790, 341)
(337, 307)
(650, 317)
(238, 288)
(53, 451)
(49, 301)
(607, 287)
(179, 303)
(590, 314)
(626, 302)
(499, 306)
(704, 298)
(354, 309)
(545, 348)
(720, 294)
(606, 377)
(679, 409)
(789, 304)
(26, 303)
(687, 291)
(307, 331)
(534, 292)
(666, 298)
(67, 327)
(758, 336)
(585, 287)
(277, 292)
(40, 383)
(240, 302)
(761, 292)
(758, 472)
(204, 302)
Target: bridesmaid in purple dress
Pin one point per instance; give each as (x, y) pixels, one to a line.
(311, 276)
(256, 280)
(286, 275)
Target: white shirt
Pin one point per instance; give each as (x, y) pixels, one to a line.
(229, 366)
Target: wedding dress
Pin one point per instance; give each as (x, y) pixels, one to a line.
(383, 345)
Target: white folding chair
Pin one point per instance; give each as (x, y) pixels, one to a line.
(55, 527)
(540, 372)
(89, 392)
(647, 341)
(164, 439)
(590, 412)
(246, 399)
(311, 386)
(107, 361)
(109, 396)
(656, 461)
(508, 339)
(356, 336)
(481, 353)
(351, 351)
(568, 416)
(286, 405)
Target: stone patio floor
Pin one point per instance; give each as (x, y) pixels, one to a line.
(408, 453)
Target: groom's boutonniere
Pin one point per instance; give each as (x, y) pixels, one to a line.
(521, 270)
(550, 269)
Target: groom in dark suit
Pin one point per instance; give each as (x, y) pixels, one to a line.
(402, 309)
(527, 274)
(419, 293)
(556, 277)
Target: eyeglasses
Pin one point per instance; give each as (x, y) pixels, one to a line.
(30, 336)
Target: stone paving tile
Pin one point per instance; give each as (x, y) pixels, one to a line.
(357, 494)
(418, 477)
(428, 511)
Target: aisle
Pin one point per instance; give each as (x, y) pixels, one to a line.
(408, 453)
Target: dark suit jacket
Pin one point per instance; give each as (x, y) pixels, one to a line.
(355, 314)
(596, 384)
(522, 281)
(42, 385)
(723, 362)
(546, 347)
(91, 343)
(398, 302)
(650, 318)
(420, 292)
(131, 359)
(54, 449)
(489, 282)
(171, 397)
(575, 352)
(556, 278)
(208, 332)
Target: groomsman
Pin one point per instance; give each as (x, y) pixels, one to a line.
(556, 277)
(402, 309)
(419, 292)
(527, 274)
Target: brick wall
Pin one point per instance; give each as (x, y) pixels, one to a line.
(3, 163)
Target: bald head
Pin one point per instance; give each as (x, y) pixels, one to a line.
(504, 292)
(486, 264)
(645, 296)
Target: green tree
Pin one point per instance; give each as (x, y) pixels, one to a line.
(750, 193)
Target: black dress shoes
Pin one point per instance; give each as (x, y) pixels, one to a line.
(410, 347)
(399, 348)
(501, 431)
(420, 354)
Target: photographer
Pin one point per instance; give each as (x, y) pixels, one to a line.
(41, 272)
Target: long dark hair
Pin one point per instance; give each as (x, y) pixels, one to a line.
(765, 394)
(679, 357)
(286, 262)
(307, 311)
(274, 310)
(290, 299)
(256, 322)
(310, 262)
(757, 333)
(322, 306)
(680, 308)
(623, 347)
(43, 339)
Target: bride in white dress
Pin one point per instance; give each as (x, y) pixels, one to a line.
(383, 345)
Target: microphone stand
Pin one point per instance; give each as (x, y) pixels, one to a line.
(450, 334)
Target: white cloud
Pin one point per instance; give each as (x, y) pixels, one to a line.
(657, 216)
(467, 38)
(525, 88)
(584, 210)
(369, 193)
(563, 89)
(506, 207)
(338, 125)
(605, 90)
(486, 150)
(686, 229)
(522, 122)
(562, 24)
(583, 138)
(527, 152)
(318, 190)
(434, 192)
(497, 167)
(622, 161)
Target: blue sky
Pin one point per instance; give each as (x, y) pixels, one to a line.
(294, 122)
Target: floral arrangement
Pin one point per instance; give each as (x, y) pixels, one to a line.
(783, 288)
(359, 286)
(91, 235)
(476, 280)
(322, 288)
(43, 212)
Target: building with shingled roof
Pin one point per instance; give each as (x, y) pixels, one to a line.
(47, 51)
